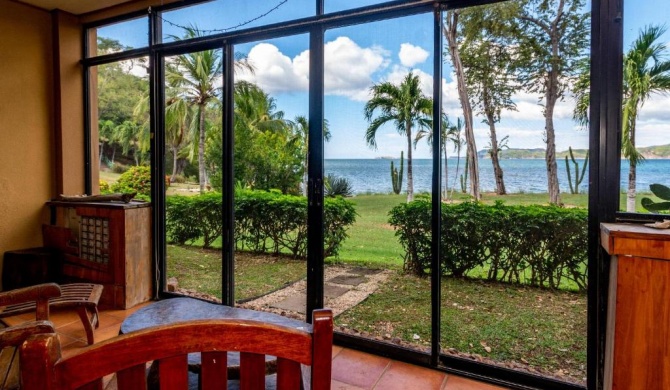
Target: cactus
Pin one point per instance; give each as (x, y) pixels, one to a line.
(578, 177)
(396, 175)
(661, 192)
(464, 179)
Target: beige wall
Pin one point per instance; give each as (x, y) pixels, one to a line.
(26, 122)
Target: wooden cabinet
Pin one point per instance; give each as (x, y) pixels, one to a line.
(637, 352)
(107, 243)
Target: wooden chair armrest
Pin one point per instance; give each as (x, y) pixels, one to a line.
(16, 335)
(40, 294)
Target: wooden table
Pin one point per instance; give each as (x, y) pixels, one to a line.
(173, 310)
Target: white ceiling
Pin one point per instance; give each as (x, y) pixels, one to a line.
(76, 7)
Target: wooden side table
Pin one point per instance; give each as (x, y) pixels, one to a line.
(637, 354)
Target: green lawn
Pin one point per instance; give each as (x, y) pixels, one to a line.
(544, 329)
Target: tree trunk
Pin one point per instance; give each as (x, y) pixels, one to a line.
(446, 174)
(497, 170)
(410, 177)
(550, 154)
(174, 163)
(201, 148)
(632, 178)
(450, 32)
(102, 150)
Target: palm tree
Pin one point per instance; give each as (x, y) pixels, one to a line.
(301, 128)
(645, 72)
(405, 106)
(449, 133)
(199, 76)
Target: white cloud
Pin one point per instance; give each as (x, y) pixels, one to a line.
(274, 71)
(349, 67)
(411, 55)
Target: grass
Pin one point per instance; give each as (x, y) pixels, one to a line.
(544, 329)
(255, 275)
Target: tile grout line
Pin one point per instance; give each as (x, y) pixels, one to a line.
(388, 365)
(444, 382)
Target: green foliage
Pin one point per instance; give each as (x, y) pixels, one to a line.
(662, 192)
(266, 222)
(104, 187)
(136, 179)
(574, 189)
(337, 186)
(537, 245)
(269, 152)
(396, 176)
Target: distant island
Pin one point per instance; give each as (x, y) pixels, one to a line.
(649, 152)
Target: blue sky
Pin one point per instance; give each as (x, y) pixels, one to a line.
(359, 56)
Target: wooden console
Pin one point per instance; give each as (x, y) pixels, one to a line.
(637, 352)
(108, 243)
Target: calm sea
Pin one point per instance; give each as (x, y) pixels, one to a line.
(520, 175)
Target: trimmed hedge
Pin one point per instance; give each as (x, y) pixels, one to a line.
(266, 222)
(537, 245)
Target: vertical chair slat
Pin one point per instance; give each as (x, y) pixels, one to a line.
(288, 374)
(322, 348)
(97, 385)
(132, 378)
(173, 373)
(214, 370)
(252, 371)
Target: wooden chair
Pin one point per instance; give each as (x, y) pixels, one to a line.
(82, 297)
(43, 368)
(13, 336)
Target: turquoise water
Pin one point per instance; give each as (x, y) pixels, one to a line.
(520, 175)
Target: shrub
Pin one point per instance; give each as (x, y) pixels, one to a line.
(538, 245)
(119, 168)
(267, 222)
(135, 179)
(337, 186)
(104, 187)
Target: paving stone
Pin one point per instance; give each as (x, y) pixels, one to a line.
(295, 303)
(330, 291)
(349, 280)
(364, 271)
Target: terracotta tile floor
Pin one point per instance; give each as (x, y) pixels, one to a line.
(352, 370)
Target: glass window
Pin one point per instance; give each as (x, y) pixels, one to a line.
(118, 37)
(222, 16)
(120, 127)
(646, 125)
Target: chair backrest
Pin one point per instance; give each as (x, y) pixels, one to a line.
(43, 368)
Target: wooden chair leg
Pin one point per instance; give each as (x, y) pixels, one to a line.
(86, 321)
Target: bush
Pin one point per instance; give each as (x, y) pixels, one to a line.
(104, 187)
(266, 222)
(135, 179)
(538, 245)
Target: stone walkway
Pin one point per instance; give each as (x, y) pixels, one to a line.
(344, 288)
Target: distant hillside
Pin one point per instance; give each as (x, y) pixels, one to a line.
(650, 152)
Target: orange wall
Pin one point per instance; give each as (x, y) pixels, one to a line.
(26, 122)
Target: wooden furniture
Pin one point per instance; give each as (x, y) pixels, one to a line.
(637, 352)
(28, 267)
(169, 311)
(83, 297)
(43, 368)
(108, 243)
(12, 337)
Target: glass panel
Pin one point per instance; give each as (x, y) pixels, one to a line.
(193, 84)
(271, 119)
(120, 127)
(343, 5)
(117, 37)
(222, 16)
(645, 151)
(514, 268)
(366, 66)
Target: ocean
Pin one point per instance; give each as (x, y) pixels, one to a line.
(520, 175)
